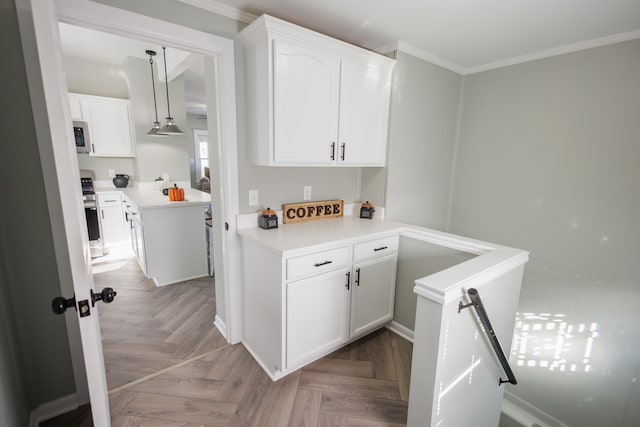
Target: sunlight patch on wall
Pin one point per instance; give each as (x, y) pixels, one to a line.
(548, 341)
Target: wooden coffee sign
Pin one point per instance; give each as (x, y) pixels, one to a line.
(309, 211)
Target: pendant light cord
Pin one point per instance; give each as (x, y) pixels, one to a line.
(153, 86)
(166, 80)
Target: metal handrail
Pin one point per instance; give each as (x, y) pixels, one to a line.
(476, 302)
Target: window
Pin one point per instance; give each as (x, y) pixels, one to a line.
(201, 141)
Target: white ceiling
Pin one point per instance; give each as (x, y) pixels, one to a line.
(463, 35)
(81, 42)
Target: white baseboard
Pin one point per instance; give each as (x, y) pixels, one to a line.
(52, 409)
(401, 330)
(222, 327)
(526, 414)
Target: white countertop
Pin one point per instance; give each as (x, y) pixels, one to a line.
(152, 199)
(290, 237)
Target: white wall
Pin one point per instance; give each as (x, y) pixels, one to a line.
(549, 161)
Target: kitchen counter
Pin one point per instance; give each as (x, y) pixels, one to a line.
(153, 199)
(288, 238)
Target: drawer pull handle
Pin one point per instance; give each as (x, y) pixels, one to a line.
(357, 277)
(320, 264)
(111, 200)
(381, 248)
(348, 274)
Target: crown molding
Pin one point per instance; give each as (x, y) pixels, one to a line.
(233, 13)
(221, 9)
(430, 57)
(560, 50)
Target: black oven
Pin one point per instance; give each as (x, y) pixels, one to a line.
(91, 216)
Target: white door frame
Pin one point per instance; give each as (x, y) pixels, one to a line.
(128, 24)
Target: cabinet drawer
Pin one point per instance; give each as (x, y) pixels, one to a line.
(317, 263)
(374, 248)
(109, 199)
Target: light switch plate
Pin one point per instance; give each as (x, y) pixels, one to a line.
(307, 192)
(253, 198)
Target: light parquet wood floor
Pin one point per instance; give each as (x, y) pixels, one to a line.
(365, 384)
(147, 328)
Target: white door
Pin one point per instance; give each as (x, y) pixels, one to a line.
(316, 316)
(364, 113)
(372, 295)
(305, 91)
(68, 176)
(57, 142)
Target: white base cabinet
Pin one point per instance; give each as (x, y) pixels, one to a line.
(373, 294)
(316, 316)
(169, 242)
(112, 220)
(301, 306)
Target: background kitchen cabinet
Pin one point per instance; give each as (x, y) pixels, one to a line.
(314, 100)
(112, 220)
(317, 319)
(110, 125)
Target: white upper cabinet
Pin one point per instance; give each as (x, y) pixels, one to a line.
(313, 100)
(109, 122)
(305, 115)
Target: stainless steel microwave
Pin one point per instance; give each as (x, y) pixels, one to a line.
(81, 134)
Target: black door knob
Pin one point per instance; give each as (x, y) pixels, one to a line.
(107, 295)
(60, 304)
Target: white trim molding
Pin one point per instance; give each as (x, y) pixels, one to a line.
(422, 54)
(526, 414)
(534, 56)
(560, 50)
(52, 409)
(221, 9)
(401, 330)
(222, 327)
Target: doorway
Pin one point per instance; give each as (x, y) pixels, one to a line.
(63, 169)
(147, 329)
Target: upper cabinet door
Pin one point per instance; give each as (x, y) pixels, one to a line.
(74, 107)
(109, 126)
(306, 85)
(364, 112)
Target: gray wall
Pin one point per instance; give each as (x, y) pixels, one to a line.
(422, 128)
(100, 79)
(132, 80)
(35, 366)
(549, 161)
(416, 260)
(155, 155)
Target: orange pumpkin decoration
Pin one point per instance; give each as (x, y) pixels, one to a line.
(176, 194)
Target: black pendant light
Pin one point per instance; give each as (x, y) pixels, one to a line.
(169, 127)
(154, 131)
